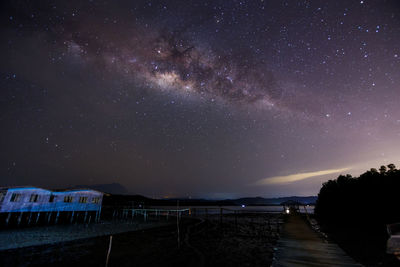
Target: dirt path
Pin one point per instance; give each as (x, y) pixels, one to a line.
(299, 245)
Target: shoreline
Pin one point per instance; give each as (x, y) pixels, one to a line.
(247, 240)
(53, 234)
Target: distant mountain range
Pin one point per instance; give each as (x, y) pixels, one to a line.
(113, 188)
(120, 194)
(274, 201)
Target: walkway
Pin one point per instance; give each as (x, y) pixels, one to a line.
(299, 245)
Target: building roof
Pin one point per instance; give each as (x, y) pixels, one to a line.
(11, 188)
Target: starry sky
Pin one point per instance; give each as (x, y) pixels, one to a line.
(213, 99)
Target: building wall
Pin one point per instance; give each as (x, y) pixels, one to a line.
(43, 204)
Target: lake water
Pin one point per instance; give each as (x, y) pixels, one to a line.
(231, 209)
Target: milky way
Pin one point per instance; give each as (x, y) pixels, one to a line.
(198, 98)
(164, 59)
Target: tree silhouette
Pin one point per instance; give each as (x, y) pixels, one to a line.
(382, 169)
(391, 167)
(360, 208)
(373, 170)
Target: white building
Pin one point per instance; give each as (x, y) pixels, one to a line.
(32, 201)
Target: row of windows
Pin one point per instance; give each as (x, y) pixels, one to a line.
(16, 197)
(2, 196)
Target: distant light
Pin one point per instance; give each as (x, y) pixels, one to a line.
(287, 211)
(243, 206)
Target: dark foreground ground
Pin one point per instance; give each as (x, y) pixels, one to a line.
(247, 240)
(368, 249)
(366, 246)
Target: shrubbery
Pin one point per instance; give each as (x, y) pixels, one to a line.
(356, 210)
(372, 198)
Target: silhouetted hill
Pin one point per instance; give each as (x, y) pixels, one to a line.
(135, 200)
(274, 201)
(113, 188)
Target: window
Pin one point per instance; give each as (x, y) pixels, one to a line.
(96, 200)
(82, 199)
(51, 199)
(15, 197)
(2, 196)
(68, 199)
(34, 198)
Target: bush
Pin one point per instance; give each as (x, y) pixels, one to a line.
(358, 209)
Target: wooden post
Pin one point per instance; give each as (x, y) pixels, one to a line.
(177, 223)
(84, 218)
(8, 218)
(220, 217)
(58, 215)
(277, 225)
(109, 251)
(49, 216)
(72, 217)
(20, 218)
(30, 217)
(37, 217)
(99, 214)
(236, 225)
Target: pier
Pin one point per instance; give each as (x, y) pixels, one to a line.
(300, 245)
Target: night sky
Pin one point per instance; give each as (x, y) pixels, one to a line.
(208, 99)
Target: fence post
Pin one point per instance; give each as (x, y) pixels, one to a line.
(58, 214)
(109, 251)
(30, 217)
(37, 217)
(220, 217)
(177, 223)
(49, 217)
(277, 225)
(19, 218)
(8, 218)
(236, 225)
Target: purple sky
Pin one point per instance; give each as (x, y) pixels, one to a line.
(198, 98)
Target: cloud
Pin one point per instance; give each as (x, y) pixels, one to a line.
(297, 177)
